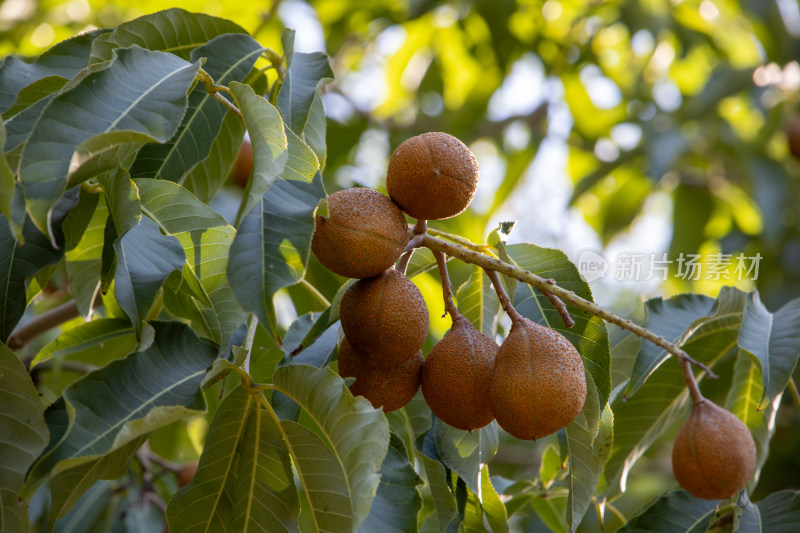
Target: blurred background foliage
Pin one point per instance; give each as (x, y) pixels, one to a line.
(656, 126)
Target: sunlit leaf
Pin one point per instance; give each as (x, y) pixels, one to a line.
(87, 336)
(478, 302)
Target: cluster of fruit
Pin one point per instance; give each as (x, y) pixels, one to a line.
(534, 384)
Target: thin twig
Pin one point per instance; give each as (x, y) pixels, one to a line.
(45, 322)
(489, 263)
(447, 288)
(559, 306)
(505, 301)
(414, 243)
(466, 243)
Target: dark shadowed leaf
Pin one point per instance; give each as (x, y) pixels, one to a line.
(23, 439)
(465, 452)
(145, 258)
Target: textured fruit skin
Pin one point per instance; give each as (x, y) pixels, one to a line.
(456, 376)
(714, 455)
(432, 176)
(364, 234)
(538, 382)
(385, 317)
(390, 388)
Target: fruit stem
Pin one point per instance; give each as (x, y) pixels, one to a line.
(512, 271)
(502, 295)
(447, 288)
(688, 377)
(559, 305)
(252, 326)
(214, 90)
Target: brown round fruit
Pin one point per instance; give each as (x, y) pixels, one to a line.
(364, 234)
(243, 165)
(456, 377)
(432, 176)
(186, 473)
(385, 317)
(714, 455)
(538, 382)
(390, 388)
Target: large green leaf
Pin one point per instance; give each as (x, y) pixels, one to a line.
(589, 334)
(101, 335)
(228, 58)
(774, 340)
(33, 93)
(671, 319)
(663, 399)
(122, 199)
(64, 59)
(316, 130)
(357, 433)
(478, 302)
(89, 509)
(679, 512)
(206, 239)
(145, 258)
(244, 477)
(272, 245)
(84, 249)
(304, 75)
(493, 506)
(22, 439)
(105, 152)
(745, 392)
(140, 91)
(397, 501)
(465, 452)
(18, 262)
(270, 145)
(173, 30)
(589, 448)
(439, 484)
(208, 177)
(128, 398)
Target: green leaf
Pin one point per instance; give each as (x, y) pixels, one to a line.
(589, 448)
(145, 258)
(589, 334)
(95, 334)
(358, 434)
(305, 74)
(478, 302)
(24, 437)
(465, 452)
(272, 245)
(743, 398)
(139, 91)
(663, 399)
(69, 484)
(316, 130)
(302, 163)
(493, 507)
(87, 510)
(7, 183)
(676, 511)
(397, 501)
(18, 262)
(122, 199)
(173, 30)
(774, 340)
(33, 93)
(84, 257)
(65, 59)
(780, 512)
(422, 260)
(104, 152)
(670, 319)
(126, 399)
(270, 148)
(175, 209)
(244, 479)
(443, 499)
(228, 58)
(208, 177)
